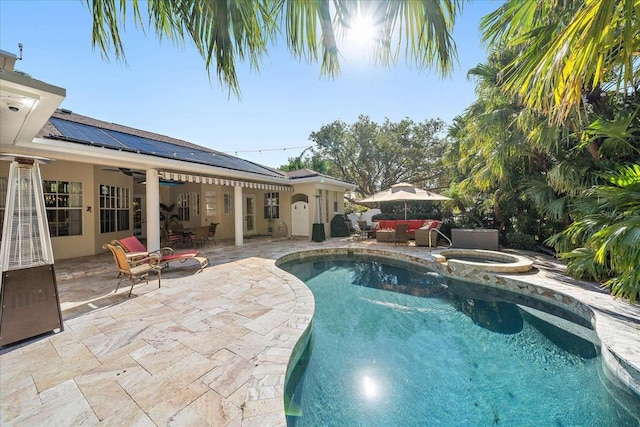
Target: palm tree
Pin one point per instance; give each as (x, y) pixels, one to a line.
(606, 237)
(228, 31)
(568, 51)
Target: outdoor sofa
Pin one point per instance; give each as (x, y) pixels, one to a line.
(414, 224)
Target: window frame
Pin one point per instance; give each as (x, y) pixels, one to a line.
(63, 206)
(183, 202)
(115, 208)
(271, 208)
(227, 203)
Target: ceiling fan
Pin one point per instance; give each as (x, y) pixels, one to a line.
(125, 171)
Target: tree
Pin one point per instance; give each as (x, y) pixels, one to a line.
(574, 185)
(491, 155)
(314, 162)
(225, 32)
(375, 156)
(604, 243)
(567, 51)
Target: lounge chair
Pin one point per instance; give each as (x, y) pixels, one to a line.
(135, 249)
(138, 271)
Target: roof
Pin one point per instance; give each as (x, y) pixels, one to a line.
(75, 128)
(309, 175)
(303, 173)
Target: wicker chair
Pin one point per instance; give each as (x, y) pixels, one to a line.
(428, 236)
(136, 272)
(134, 247)
(200, 236)
(401, 234)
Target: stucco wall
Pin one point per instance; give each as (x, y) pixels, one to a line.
(92, 176)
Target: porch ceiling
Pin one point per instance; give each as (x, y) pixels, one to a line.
(25, 106)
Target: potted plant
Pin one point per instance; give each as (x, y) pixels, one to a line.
(166, 217)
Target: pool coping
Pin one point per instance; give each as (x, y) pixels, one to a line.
(512, 263)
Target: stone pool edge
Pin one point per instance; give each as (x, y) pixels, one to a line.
(264, 396)
(512, 263)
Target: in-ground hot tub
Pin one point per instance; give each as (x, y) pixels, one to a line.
(492, 261)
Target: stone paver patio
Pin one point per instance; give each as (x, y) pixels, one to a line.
(213, 348)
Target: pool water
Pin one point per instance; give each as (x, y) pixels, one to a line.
(397, 347)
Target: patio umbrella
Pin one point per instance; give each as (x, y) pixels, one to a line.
(402, 192)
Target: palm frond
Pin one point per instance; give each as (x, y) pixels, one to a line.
(565, 47)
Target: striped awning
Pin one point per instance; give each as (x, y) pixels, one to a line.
(182, 177)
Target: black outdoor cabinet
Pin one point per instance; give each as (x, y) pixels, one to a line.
(340, 226)
(30, 304)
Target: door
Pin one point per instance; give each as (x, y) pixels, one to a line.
(249, 214)
(300, 219)
(139, 215)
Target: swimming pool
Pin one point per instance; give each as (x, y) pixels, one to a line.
(393, 345)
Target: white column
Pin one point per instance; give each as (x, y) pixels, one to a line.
(238, 214)
(153, 210)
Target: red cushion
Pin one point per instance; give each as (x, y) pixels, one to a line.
(180, 255)
(434, 224)
(414, 224)
(132, 244)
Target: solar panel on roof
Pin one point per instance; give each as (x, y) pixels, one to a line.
(179, 152)
(143, 145)
(115, 139)
(82, 132)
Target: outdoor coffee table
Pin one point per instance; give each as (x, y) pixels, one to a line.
(385, 235)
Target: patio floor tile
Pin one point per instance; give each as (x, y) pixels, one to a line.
(207, 349)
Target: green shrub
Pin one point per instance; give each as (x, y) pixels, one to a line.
(522, 241)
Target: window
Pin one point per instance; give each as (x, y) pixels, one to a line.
(188, 205)
(335, 201)
(114, 208)
(183, 207)
(272, 205)
(228, 202)
(211, 203)
(195, 203)
(63, 202)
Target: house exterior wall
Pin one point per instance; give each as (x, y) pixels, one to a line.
(92, 177)
(107, 177)
(84, 244)
(311, 189)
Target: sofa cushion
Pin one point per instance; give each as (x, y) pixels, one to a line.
(413, 224)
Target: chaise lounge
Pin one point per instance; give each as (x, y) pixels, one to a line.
(135, 248)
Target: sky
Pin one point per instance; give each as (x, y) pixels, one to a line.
(165, 88)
